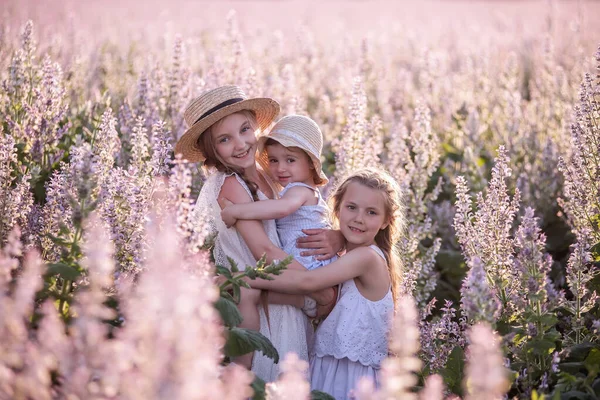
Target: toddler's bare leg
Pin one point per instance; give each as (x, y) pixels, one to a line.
(248, 307)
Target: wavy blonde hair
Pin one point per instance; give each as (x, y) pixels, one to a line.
(388, 237)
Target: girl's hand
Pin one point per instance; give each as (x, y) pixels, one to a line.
(324, 243)
(226, 213)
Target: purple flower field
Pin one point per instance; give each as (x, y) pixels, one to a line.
(486, 113)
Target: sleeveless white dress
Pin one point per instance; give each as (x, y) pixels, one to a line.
(352, 341)
(288, 327)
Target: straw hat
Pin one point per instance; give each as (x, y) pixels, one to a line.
(214, 105)
(295, 131)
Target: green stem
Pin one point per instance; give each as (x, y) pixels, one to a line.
(63, 293)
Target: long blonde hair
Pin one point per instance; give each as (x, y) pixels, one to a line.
(388, 237)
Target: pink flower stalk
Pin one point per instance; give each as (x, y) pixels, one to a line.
(398, 373)
(236, 382)
(440, 335)
(161, 149)
(9, 257)
(487, 232)
(106, 145)
(292, 99)
(434, 388)
(352, 150)
(28, 284)
(52, 337)
(478, 300)
(174, 348)
(581, 168)
(24, 371)
(365, 390)
(140, 153)
(486, 376)
(533, 266)
(292, 383)
(126, 121)
(180, 183)
(16, 199)
(412, 159)
(124, 208)
(56, 212)
(580, 271)
(83, 172)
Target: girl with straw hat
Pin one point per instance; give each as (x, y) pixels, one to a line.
(291, 153)
(223, 127)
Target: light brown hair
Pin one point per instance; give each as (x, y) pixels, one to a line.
(388, 237)
(212, 159)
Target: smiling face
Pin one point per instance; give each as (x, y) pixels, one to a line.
(234, 140)
(289, 164)
(361, 215)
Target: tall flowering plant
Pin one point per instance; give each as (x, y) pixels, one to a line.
(413, 158)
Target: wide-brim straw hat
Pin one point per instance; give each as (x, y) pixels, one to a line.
(211, 106)
(295, 131)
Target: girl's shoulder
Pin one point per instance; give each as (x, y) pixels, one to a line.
(366, 254)
(235, 189)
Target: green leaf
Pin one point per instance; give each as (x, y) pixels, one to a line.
(547, 319)
(241, 341)
(592, 362)
(579, 352)
(318, 395)
(63, 270)
(571, 367)
(541, 347)
(258, 385)
(575, 395)
(223, 271)
(58, 240)
(454, 370)
(229, 312)
(233, 264)
(536, 396)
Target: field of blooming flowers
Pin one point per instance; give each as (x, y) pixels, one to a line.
(487, 114)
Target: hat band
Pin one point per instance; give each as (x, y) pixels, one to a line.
(218, 107)
(302, 142)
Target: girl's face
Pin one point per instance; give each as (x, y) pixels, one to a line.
(289, 164)
(235, 141)
(361, 215)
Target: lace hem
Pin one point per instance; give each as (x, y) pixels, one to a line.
(367, 362)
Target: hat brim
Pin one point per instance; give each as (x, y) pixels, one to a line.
(263, 159)
(266, 111)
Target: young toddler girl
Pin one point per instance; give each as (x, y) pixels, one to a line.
(291, 153)
(352, 342)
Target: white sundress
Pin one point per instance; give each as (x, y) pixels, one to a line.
(352, 342)
(288, 327)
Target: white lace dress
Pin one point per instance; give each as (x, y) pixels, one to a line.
(288, 327)
(352, 341)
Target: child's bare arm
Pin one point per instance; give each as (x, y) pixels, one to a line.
(352, 265)
(291, 201)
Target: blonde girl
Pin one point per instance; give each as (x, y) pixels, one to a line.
(223, 127)
(352, 342)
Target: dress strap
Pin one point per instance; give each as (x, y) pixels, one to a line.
(378, 251)
(294, 184)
